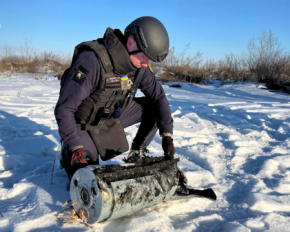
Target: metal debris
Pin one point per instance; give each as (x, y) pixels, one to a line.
(108, 192)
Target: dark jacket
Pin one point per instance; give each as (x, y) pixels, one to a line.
(74, 92)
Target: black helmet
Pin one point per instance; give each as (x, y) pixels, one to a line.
(151, 37)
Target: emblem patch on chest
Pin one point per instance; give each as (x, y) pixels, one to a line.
(126, 83)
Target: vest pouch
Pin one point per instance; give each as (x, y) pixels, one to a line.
(85, 110)
(110, 139)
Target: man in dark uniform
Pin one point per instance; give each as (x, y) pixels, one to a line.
(96, 99)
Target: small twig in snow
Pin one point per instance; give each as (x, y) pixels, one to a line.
(68, 201)
(54, 163)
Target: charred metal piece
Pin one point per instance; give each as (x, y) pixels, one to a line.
(108, 192)
(102, 193)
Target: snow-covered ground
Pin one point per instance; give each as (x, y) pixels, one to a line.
(232, 138)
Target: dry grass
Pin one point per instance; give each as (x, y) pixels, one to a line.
(264, 61)
(27, 60)
(39, 63)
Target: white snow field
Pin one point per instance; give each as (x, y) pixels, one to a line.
(232, 138)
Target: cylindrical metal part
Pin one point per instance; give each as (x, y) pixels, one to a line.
(101, 193)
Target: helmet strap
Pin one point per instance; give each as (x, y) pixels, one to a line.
(134, 52)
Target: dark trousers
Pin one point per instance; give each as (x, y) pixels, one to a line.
(139, 110)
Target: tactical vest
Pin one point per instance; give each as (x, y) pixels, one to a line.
(99, 112)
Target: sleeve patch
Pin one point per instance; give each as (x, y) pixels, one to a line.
(80, 75)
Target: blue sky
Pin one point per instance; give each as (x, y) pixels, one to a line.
(212, 27)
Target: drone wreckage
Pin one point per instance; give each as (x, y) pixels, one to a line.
(101, 193)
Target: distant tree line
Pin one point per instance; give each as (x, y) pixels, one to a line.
(26, 59)
(263, 61)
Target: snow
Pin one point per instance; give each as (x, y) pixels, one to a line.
(232, 138)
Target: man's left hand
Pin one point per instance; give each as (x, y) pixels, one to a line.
(168, 147)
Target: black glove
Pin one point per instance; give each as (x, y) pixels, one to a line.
(77, 159)
(80, 157)
(168, 147)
